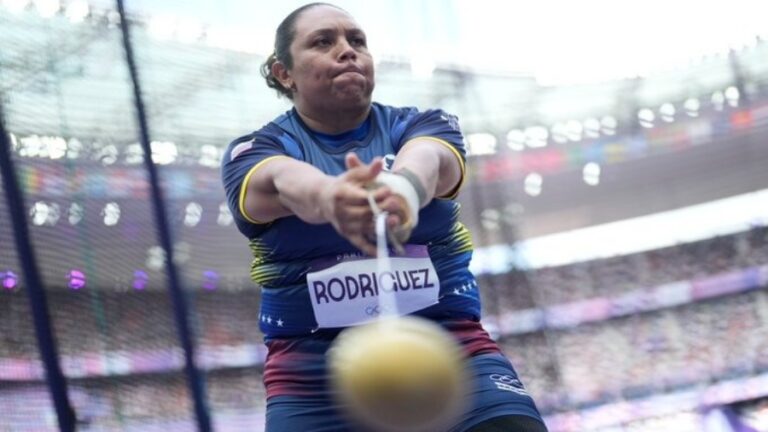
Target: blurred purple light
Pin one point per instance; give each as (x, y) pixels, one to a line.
(210, 280)
(9, 280)
(140, 279)
(76, 279)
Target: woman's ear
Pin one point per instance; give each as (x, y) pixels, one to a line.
(283, 75)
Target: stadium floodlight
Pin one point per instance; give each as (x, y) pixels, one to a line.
(536, 136)
(155, 258)
(54, 213)
(732, 95)
(512, 213)
(516, 140)
(39, 213)
(225, 216)
(47, 8)
(76, 213)
(574, 130)
(667, 112)
(57, 147)
(192, 214)
(490, 219)
(111, 214)
(533, 183)
(74, 147)
(481, 144)
(134, 154)
(692, 106)
(608, 125)
(77, 11)
(16, 6)
(210, 156)
(718, 100)
(29, 146)
(591, 174)
(646, 117)
(559, 132)
(182, 252)
(107, 155)
(592, 128)
(164, 152)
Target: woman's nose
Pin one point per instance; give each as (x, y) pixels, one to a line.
(346, 52)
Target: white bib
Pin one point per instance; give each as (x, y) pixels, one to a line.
(347, 294)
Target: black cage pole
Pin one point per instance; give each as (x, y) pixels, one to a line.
(180, 309)
(57, 384)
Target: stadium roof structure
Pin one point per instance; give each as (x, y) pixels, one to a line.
(66, 77)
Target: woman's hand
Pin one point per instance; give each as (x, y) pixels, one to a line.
(344, 203)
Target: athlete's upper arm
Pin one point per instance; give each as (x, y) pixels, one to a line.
(437, 126)
(247, 184)
(259, 200)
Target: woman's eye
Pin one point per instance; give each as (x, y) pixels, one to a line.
(358, 42)
(323, 42)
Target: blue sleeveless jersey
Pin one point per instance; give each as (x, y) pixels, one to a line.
(284, 249)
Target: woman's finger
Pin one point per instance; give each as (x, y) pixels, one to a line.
(360, 173)
(352, 160)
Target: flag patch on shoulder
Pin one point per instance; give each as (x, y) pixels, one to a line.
(240, 148)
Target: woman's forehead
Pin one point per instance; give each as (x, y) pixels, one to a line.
(324, 18)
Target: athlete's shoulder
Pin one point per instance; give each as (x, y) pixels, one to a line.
(393, 113)
(268, 132)
(275, 136)
(413, 115)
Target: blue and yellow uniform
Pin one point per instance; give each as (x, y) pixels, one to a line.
(288, 249)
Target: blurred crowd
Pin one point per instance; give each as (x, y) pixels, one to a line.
(145, 398)
(622, 358)
(620, 274)
(93, 321)
(644, 354)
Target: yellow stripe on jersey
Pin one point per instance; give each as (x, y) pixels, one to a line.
(462, 237)
(259, 249)
(261, 272)
(455, 192)
(244, 189)
(263, 275)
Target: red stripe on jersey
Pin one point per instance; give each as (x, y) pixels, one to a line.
(297, 367)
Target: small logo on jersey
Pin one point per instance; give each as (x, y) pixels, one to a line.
(509, 383)
(240, 148)
(389, 160)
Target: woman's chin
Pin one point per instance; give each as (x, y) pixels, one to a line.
(352, 99)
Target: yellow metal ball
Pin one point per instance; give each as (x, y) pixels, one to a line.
(399, 374)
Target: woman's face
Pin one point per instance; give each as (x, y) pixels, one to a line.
(332, 68)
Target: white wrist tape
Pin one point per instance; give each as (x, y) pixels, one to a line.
(403, 187)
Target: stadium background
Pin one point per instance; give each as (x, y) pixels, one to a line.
(620, 224)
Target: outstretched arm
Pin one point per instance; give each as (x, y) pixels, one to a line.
(283, 186)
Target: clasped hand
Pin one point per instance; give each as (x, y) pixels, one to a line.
(345, 204)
